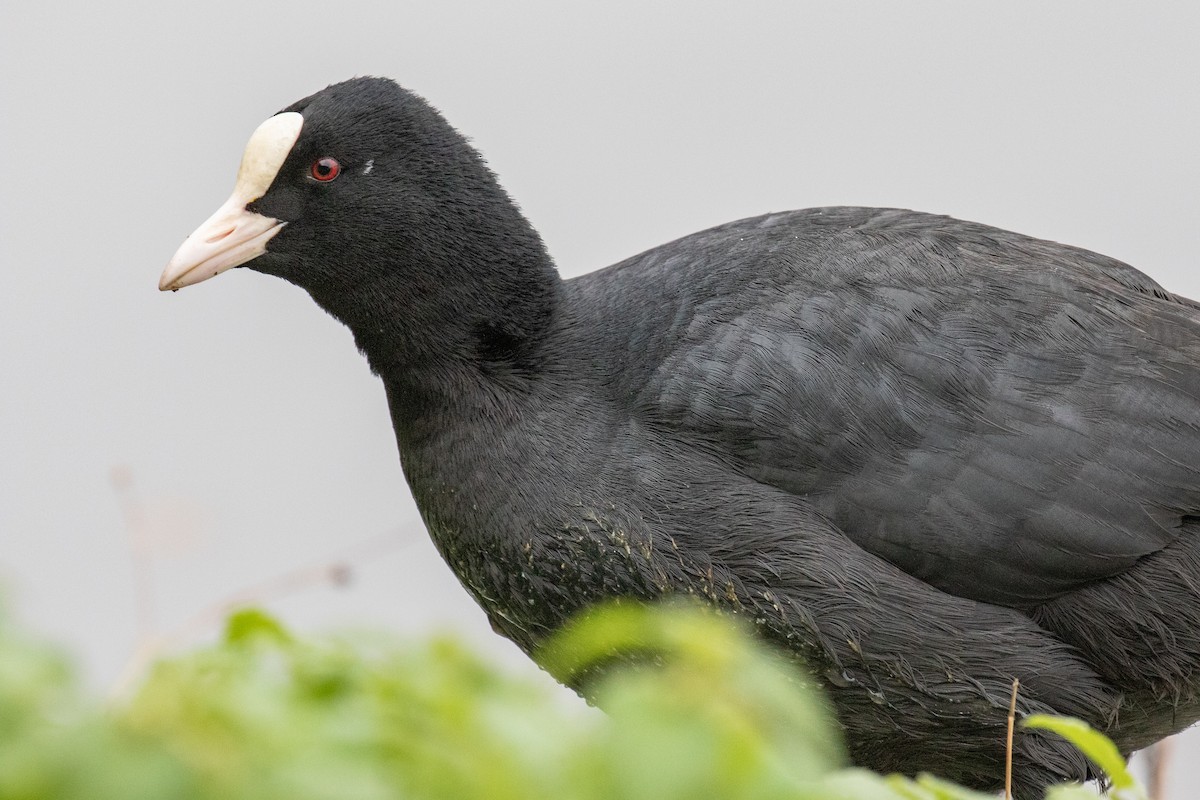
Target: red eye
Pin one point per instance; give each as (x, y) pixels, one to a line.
(326, 169)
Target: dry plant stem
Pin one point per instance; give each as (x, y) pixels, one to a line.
(1008, 745)
(140, 553)
(331, 573)
(1158, 757)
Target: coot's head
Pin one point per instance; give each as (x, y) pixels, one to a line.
(365, 196)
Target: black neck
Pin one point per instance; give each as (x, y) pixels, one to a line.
(452, 325)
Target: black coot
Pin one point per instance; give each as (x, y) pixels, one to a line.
(928, 455)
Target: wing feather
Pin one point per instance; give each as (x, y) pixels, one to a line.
(1003, 417)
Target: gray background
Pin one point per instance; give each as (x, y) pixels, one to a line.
(249, 434)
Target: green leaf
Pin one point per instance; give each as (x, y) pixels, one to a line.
(705, 685)
(250, 624)
(1070, 792)
(1098, 748)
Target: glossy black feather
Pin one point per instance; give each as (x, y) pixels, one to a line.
(927, 455)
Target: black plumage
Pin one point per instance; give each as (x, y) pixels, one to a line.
(928, 455)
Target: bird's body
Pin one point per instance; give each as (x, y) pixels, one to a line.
(926, 455)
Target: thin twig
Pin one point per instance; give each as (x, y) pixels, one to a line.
(1008, 746)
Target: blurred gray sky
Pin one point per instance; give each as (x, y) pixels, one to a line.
(257, 441)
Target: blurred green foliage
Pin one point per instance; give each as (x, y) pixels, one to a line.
(703, 710)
